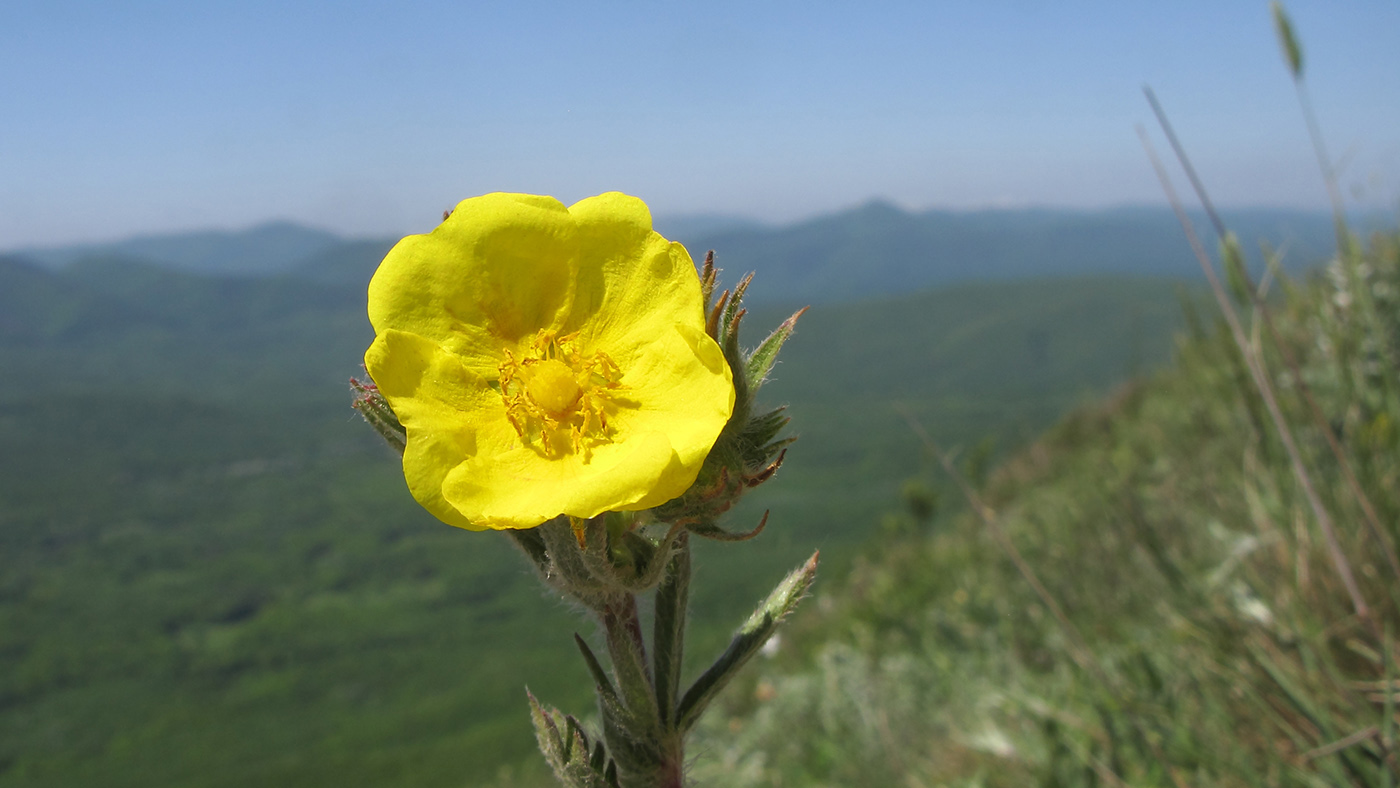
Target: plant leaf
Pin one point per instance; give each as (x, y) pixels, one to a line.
(747, 641)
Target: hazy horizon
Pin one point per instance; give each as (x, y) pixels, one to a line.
(719, 221)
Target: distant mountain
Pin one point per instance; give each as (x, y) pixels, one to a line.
(349, 263)
(265, 249)
(879, 249)
(353, 262)
(872, 250)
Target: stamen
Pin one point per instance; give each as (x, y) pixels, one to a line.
(554, 389)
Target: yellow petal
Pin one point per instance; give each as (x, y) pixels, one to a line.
(439, 402)
(683, 387)
(632, 282)
(499, 269)
(521, 489)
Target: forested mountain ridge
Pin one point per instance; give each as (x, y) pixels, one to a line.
(871, 250)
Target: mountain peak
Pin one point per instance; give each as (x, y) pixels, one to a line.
(879, 206)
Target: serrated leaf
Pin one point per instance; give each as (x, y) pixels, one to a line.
(576, 744)
(568, 751)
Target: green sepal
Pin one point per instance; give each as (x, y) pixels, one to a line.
(708, 278)
(712, 531)
(375, 410)
(732, 313)
(532, 545)
(760, 440)
(734, 356)
(647, 559)
(746, 643)
(760, 361)
(597, 551)
(572, 570)
(748, 450)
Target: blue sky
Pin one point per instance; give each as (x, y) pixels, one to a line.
(122, 118)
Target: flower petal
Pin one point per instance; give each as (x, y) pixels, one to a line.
(632, 283)
(521, 488)
(684, 388)
(496, 271)
(441, 405)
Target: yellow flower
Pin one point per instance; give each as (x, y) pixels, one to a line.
(546, 360)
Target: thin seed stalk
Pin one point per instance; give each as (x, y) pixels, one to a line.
(1320, 420)
(1266, 392)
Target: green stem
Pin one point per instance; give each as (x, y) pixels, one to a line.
(672, 761)
(668, 638)
(637, 744)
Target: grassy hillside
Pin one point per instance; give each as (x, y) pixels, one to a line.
(210, 573)
(1208, 635)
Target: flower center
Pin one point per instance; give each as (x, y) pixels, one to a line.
(556, 396)
(553, 386)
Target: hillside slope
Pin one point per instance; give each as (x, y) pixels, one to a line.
(1208, 637)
